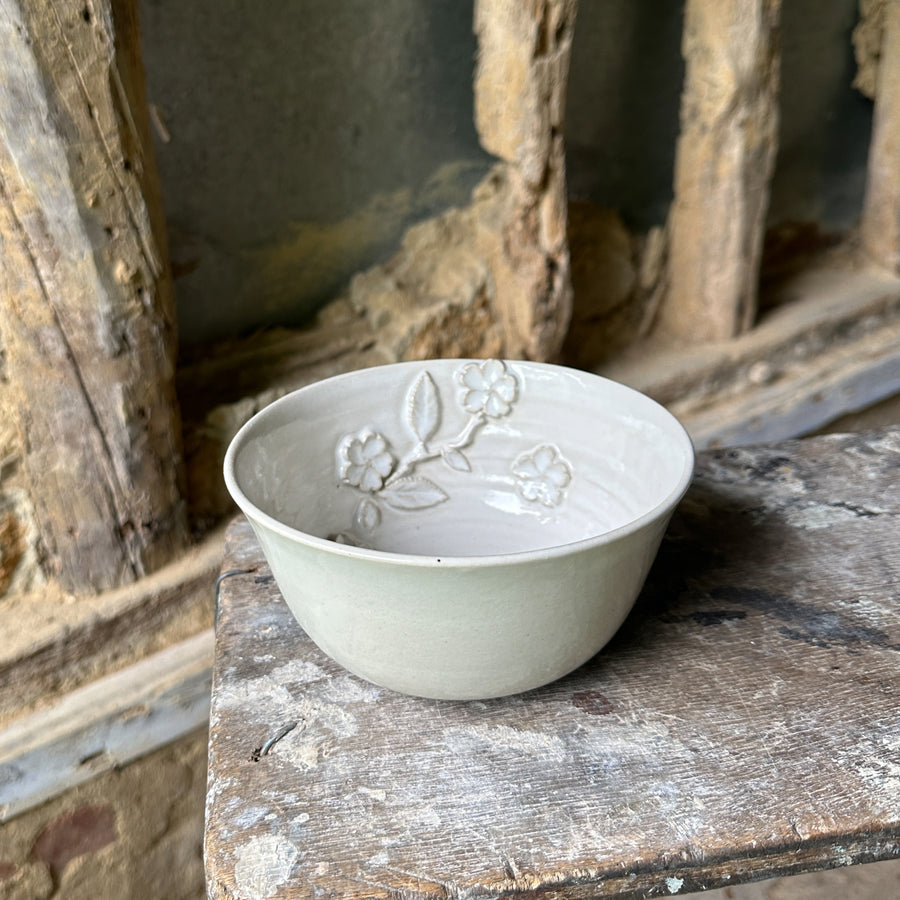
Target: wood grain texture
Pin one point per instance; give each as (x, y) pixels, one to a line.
(724, 159)
(51, 644)
(105, 724)
(521, 74)
(879, 226)
(830, 346)
(87, 311)
(804, 397)
(744, 723)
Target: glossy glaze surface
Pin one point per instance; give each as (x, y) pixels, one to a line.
(460, 528)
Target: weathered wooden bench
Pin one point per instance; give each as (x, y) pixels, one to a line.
(744, 723)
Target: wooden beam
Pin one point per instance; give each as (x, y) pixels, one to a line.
(107, 723)
(880, 222)
(834, 348)
(521, 76)
(86, 304)
(724, 161)
(805, 398)
(52, 643)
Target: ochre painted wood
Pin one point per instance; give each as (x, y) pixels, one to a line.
(744, 723)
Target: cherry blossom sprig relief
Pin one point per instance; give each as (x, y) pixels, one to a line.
(487, 390)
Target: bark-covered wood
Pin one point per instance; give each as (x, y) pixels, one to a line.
(86, 306)
(724, 161)
(742, 724)
(880, 222)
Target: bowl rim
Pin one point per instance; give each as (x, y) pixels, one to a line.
(255, 514)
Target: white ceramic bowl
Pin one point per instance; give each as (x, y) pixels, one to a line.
(460, 528)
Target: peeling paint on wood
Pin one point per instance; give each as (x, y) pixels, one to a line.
(743, 724)
(105, 724)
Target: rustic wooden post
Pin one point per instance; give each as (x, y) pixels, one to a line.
(724, 160)
(880, 222)
(520, 97)
(86, 306)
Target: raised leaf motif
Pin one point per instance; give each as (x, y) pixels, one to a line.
(383, 472)
(413, 493)
(368, 515)
(424, 408)
(456, 460)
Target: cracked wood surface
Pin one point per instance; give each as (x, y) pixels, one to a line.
(723, 163)
(743, 724)
(86, 304)
(879, 227)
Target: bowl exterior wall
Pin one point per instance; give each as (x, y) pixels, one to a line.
(462, 632)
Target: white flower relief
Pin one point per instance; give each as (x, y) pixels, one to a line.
(487, 388)
(542, 475)
(364, 460)
(392, 482)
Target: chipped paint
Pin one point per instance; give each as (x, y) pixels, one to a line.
(298, 671)
(477, 736)
(304, 756)
(816, 517)
(264, 863)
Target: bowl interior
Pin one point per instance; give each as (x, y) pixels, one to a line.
(458, 458)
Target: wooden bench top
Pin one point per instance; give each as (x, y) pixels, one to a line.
(744, 723)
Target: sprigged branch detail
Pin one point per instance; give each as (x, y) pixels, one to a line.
(487, 390)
